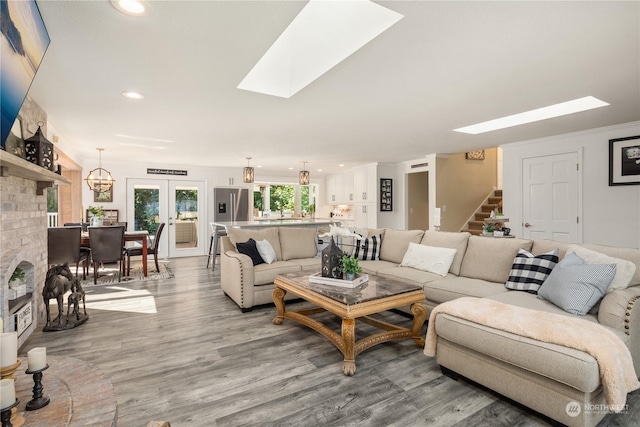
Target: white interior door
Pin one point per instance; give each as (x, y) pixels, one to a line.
(551, 197)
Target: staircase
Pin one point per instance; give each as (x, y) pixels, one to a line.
(493, 202)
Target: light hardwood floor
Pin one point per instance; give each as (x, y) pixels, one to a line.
(179, 350)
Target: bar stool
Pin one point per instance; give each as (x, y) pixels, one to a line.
(216, 233)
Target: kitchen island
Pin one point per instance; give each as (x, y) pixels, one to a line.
(265, 223)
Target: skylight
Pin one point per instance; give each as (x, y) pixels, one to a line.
(323, 34)
(557, 110)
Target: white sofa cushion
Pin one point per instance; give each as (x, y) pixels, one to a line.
(266, 251)
(396, 242)
(448, 239)
(428, 258)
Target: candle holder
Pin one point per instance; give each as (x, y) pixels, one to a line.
(5, 414)
(38, 401)
(8, 372)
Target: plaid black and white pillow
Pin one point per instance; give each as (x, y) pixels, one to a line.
(529, 271)
(368, 249)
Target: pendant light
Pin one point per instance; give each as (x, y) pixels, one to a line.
(304, 175)
(99, 179)
(247, 173)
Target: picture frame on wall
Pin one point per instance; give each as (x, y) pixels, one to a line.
(386, 194)
(624, 161)
(475, 155)
(104, 197)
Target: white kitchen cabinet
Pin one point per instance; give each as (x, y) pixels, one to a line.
(348, 192)
(365, 183)
(334, 190)
(366, 215)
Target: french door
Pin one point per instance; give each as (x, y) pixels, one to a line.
(179, 204)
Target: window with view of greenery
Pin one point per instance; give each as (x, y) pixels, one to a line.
(281, 198)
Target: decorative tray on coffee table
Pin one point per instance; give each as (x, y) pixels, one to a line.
(359, 280)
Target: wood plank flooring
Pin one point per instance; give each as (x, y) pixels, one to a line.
(179, 350)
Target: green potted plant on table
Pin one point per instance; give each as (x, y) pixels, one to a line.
(97, 215)
(350, 267)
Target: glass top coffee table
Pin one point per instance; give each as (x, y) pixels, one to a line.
(375, 296)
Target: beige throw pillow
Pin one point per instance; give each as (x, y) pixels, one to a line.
(395, 243)
(624, 269)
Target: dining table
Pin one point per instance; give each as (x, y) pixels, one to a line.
(141, 236)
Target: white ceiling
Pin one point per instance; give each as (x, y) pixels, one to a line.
(443, 66)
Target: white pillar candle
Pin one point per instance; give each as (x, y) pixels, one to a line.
(7, 393)
(8, 349)
(1, 327)
(37, 358)
(436, 218)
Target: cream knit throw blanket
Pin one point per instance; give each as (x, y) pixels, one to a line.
(617, 374)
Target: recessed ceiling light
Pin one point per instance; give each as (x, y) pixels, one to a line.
(130, 7)
(341, 165)
(323, 34)
(556, 110)
(132, 95)
(319, 170)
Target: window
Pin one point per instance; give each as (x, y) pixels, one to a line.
(284, 199)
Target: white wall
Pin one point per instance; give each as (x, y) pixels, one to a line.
(610, 215)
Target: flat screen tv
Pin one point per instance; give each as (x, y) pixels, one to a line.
(24, 42)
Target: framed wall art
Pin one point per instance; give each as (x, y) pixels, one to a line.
(624, 161)
(106, 196)
(475, 155)
(386, 194)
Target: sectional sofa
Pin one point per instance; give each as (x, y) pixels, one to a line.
(544, 377)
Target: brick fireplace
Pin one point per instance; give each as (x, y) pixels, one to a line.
(23, 225)
(23, 243)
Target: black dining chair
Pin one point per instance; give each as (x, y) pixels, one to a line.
(152, 248)
(107, 246)
(63, 245)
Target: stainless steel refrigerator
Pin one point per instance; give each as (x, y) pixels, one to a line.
(231, 204)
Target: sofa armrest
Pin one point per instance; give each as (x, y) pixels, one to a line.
(236, 278)
(618, 311)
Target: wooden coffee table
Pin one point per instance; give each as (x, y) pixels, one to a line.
(375, 296)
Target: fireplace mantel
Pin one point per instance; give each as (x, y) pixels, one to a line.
(11, 165)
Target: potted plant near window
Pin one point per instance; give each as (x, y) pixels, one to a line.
(312, 211)
(17, 277)
(97, 213)
(350, 267)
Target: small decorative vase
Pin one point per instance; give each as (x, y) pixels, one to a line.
(96, 222)
(350, 276)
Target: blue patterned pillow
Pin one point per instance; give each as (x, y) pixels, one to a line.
(575, 286)
(368, 249)
(529, 271)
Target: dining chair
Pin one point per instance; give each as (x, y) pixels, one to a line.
(84, 225)
(107, 246)
(152, 248)
(63, 245)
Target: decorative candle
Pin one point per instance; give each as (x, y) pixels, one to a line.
(436, 218)
(8, 349)
(37, 358)
(7, 393)
(1, 327)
